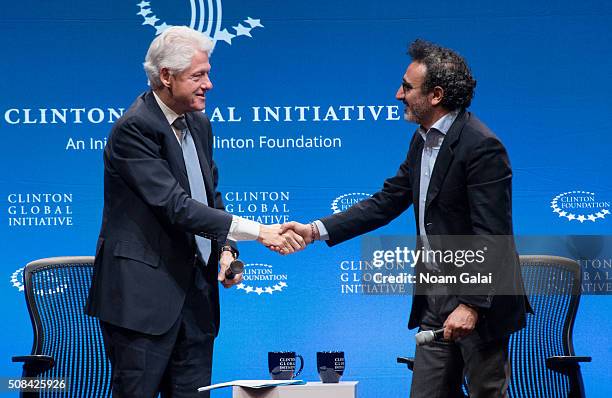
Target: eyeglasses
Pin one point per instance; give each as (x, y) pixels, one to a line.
(407, 86)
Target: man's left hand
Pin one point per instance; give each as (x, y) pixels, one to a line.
(460, 322)
(225, 261)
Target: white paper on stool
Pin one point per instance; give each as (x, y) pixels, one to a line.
(252, 384)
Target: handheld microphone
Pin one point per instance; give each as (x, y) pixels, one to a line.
(429, 336)
(236, 267)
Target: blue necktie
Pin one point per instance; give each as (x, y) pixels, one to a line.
(196, 179)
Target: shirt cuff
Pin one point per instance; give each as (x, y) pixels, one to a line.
(243, 229)
(323, 235)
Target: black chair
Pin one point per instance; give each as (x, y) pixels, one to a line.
(67, 343)
(542, 354)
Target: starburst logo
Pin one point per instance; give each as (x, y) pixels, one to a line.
(206, 19)
(261, 279)
(345, 201)
(580, 206)
(17, 279)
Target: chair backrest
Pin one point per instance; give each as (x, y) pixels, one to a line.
(56, 291)
(553, 287)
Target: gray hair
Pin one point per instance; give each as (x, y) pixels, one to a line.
(174, 49)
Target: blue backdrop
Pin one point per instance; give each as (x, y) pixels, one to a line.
(303, 105)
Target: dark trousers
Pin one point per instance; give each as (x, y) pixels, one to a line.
(175, 363)
(440, 368)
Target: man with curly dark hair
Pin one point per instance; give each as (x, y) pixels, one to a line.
(447, 70)
(458, 177)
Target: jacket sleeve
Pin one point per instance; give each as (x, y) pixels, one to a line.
(489, 190)
(489, 179)
(137, 159)
(384, 206)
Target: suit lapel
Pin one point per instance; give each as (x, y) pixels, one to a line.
(416, 171)
(197, 133)
(174, 153)
(445, 158)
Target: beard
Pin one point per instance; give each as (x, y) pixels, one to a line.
(417, 112)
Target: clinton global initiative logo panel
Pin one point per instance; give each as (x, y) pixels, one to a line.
(580, 206)
(347, 200)
(267, 207)
(358, 276)
(39, 209)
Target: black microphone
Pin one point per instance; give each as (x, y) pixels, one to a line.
(235, 268)
(429, 336)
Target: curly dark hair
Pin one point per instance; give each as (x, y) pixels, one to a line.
(447, 69)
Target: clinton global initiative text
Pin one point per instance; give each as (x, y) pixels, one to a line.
(258, 114)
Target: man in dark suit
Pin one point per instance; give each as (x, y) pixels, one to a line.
(458, 177)
(164, 230)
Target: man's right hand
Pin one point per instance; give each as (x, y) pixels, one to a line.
(304, 230)
(273, 238)
(460, 322)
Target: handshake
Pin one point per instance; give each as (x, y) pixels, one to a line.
(288, 238)
(285, 238)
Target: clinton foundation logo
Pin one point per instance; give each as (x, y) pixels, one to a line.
(40, 209)
(345, 201)
(261, 279)
(580, 206)
(205, 18)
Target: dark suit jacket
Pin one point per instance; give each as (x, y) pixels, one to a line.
(469, 194)
(146, 251)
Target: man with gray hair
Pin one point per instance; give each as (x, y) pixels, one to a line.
(164, 230)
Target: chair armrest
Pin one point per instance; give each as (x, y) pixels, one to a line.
(33, 365)
(565, 363)
(408, 361)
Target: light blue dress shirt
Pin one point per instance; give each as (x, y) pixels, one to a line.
(434, 137)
